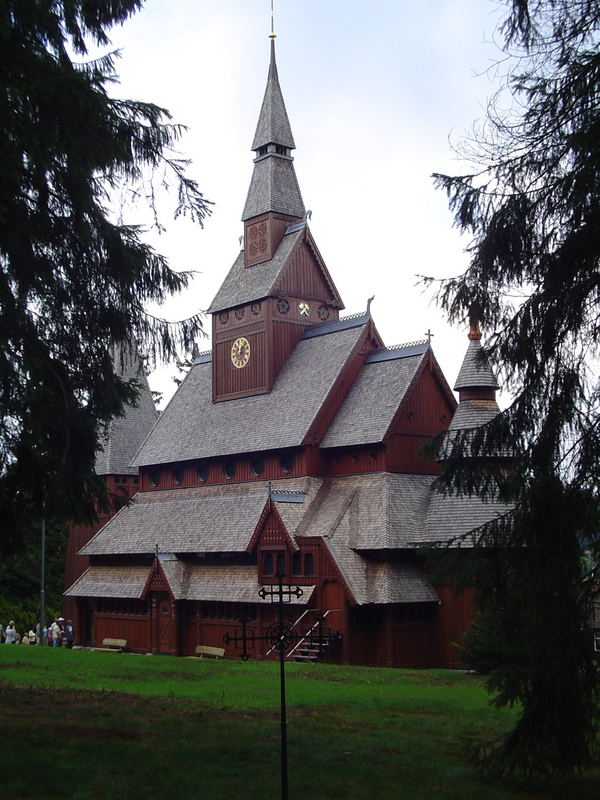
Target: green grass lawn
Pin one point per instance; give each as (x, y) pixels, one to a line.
(85, 725)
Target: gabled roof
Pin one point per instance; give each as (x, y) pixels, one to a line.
(357, 517)
(372, 581)
(125, 434)
(204, 519)
(475, 371)
(193, 427)
(200, 520)
(245, 284)
(386, 510)
(371, 404)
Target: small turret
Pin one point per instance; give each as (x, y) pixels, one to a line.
(476, 385)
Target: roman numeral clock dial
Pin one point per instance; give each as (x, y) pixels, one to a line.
(240, 352)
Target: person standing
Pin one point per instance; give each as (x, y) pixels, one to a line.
(55, 633)
(10, 634)
(1, 634)
(69, 633)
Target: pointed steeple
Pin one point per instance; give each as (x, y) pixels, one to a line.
(274, 186)
(475, 373)
(476, 385)
(273, 125)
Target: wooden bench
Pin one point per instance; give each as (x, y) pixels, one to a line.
(203, 650)
(114, 644)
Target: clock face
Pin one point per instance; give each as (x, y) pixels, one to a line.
(304, 309)
(240, 352)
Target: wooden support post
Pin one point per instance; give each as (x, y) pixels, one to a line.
(154, 626)
(174, 629)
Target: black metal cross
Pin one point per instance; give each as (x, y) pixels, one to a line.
(281, 636)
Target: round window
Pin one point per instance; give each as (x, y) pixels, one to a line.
(257, 465)
(229, 469)
(154, 478)
(286, 462)
(202, 472)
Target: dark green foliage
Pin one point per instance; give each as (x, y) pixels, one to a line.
(20, 576)
(482, 645)
(73, 280)
(532, 206)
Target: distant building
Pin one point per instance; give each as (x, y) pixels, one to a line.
(294, 446)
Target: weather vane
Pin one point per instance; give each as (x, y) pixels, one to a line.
(272, 35)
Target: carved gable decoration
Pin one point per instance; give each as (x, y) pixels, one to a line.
(270, 530)
(157, 581)
(305, 275)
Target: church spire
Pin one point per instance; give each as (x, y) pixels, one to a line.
(274, 186)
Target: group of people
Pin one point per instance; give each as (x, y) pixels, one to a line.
(57, 635)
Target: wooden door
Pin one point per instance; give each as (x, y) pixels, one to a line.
(164, 626)
(332, 600)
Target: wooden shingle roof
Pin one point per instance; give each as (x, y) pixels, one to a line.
(193, 427)
(371, 404)
(475, 371)
(118, 582)
(125, 434)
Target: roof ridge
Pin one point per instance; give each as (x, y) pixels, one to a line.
(333, 326)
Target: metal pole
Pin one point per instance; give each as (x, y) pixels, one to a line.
(42, 582)
(283, 722)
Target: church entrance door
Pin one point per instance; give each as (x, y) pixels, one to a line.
(164, 626)
(332, 601)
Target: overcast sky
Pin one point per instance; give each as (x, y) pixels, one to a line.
(373, 92)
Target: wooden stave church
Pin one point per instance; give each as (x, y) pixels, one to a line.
(294, 445)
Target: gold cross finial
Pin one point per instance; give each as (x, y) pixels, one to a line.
(272, 35)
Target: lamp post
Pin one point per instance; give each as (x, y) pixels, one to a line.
(42, 621)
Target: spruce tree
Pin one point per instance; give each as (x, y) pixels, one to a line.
(531, 203)
(74, 280)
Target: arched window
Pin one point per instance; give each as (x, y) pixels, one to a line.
(154, 478)
(268, 564)
(257, 465)
(297, 564)
(202, 472)
(286, 462)
(309, 564)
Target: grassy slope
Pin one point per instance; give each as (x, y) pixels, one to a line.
(98, 725)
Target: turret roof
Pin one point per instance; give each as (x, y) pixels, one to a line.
(125, 434)
(274, 186)
(475, 372)
(273, 125)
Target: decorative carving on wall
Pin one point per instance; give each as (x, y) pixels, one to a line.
(324, 313)
(283, 305)
(255, 308)
(224, 317)
(256, 239)
(240, 313)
